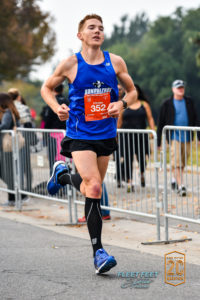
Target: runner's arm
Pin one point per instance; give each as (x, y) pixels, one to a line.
(127, 83)
(59, 75)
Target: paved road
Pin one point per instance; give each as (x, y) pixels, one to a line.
(42, 264)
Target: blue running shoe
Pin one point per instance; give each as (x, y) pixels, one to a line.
(53, 186)
(103, 262)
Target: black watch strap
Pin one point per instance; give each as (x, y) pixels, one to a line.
(124, 103)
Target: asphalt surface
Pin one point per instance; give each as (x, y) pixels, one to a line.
(43, 264)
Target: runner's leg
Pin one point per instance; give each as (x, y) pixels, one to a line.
(92, 170)
(102, 162)
(76, 179)
(72, 179)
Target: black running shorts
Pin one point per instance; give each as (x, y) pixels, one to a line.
(100, 147)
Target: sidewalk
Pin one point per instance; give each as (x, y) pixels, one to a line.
(118, 231)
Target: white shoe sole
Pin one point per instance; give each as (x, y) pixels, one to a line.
(110, 263)
(59, 162)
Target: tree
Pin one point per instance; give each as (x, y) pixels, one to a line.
(26, 38)
(129, 31)
(137, 28)
(196, 41)
(158, 53)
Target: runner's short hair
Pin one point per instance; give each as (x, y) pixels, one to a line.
(88, 17)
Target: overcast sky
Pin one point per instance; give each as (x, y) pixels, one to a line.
(67, 15)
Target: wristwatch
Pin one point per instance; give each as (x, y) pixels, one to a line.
(124, 103)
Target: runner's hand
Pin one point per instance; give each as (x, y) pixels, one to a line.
(115, 108)
(63, 112)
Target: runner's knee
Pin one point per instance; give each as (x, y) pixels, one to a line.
(93, 185)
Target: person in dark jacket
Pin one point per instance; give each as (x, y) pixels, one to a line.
(51, 121)
(9, 117)
(178, 110)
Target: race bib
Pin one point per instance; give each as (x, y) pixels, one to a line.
(96, 106)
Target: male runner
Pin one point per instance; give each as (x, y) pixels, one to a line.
(91, 122)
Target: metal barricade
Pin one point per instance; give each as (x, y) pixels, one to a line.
(33, 163)
(131, 180)
(181, 174)
(132, 176)
(8, 165)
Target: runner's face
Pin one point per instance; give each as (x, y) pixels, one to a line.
(92, 33)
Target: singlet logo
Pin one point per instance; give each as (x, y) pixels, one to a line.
(98, 91)
(98, 88)
(98, 84)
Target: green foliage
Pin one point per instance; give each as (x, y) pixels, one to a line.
(129, 31)
(158, 53)
(26, 38)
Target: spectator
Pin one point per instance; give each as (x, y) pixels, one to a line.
(9, 117)
(121, 92)
(178, 110)
(51, 121)
(33, 116)
(135, 116)
(23, 109)
(43, 116)
(30, 137)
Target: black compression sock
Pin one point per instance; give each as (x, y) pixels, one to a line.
(72, 179)
(94, 222)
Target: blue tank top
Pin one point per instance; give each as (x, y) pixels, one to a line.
(91, 80)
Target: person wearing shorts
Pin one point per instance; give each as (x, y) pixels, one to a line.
(179, 154)
(92, 76)
(178, 110)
